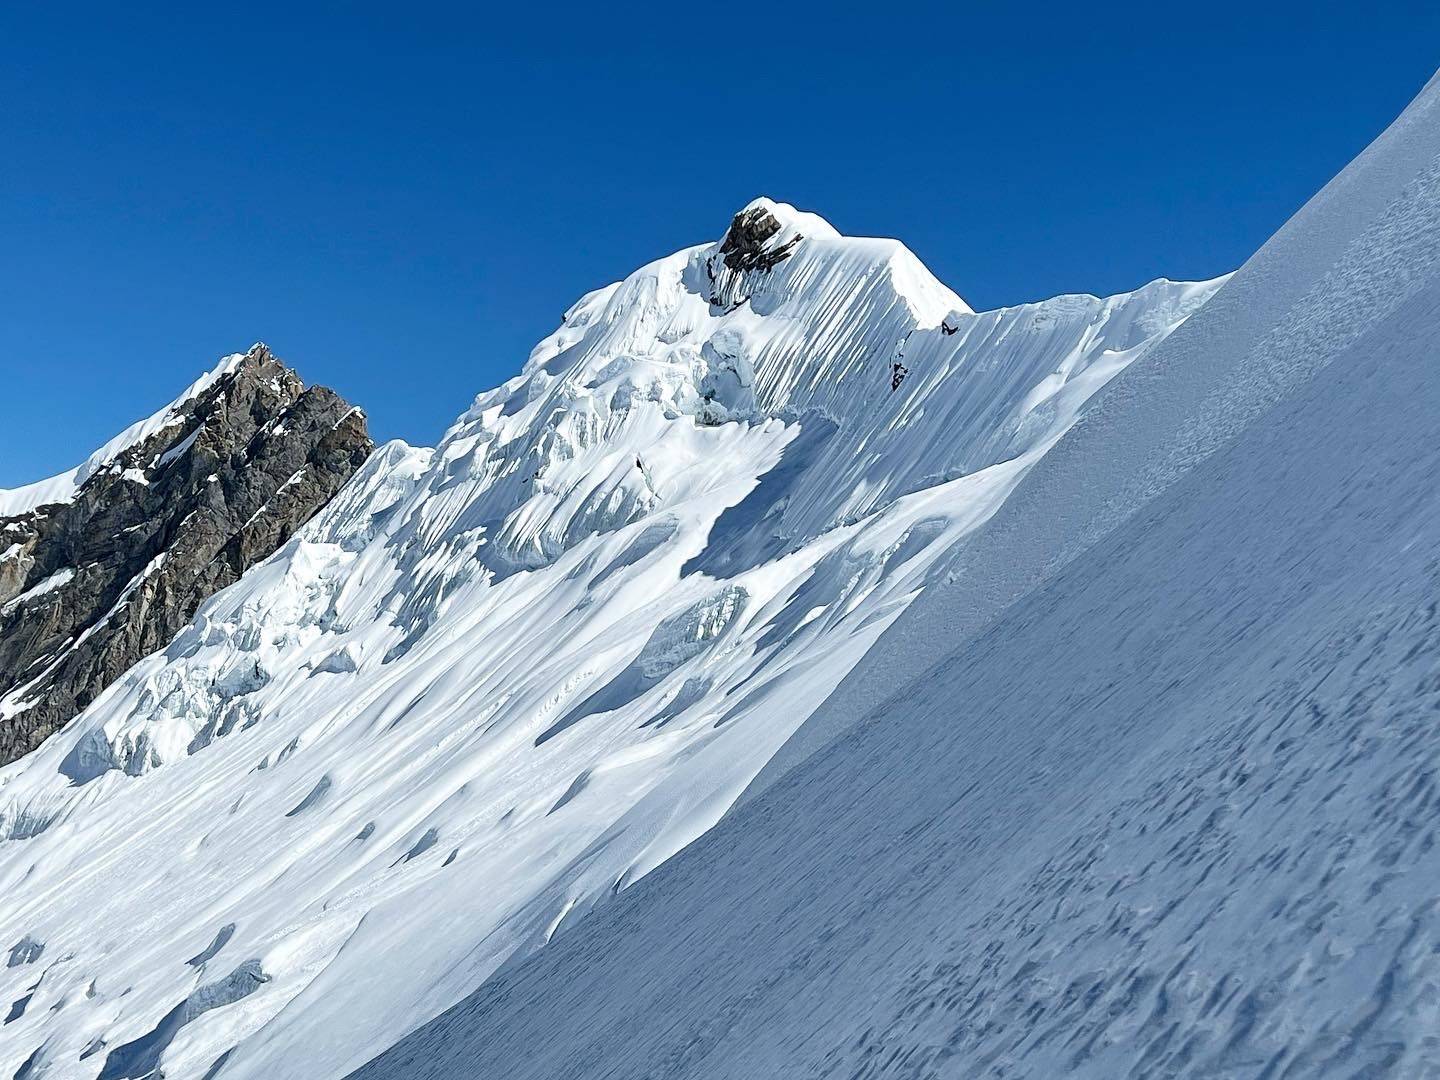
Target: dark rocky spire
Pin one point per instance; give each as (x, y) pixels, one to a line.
(90, 586)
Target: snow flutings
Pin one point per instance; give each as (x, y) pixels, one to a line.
(560, 643)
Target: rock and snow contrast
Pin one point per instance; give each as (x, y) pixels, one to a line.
(1146, 788)
(491, 686)
(104, 564)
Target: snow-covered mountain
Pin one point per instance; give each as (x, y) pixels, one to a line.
(494, 683)
(1148, 789)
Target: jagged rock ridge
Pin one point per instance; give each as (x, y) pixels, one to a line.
(90, 585)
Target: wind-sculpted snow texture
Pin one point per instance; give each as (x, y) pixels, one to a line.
(1165, 807)
(1303, 298)
(493, 684)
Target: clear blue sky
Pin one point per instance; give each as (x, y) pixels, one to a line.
(402, 198)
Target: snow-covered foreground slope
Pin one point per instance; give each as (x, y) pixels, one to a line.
(495, 683)
(1160, 801)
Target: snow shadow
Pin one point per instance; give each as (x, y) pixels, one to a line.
(745, 534)
(140, 1058)
(620, 691)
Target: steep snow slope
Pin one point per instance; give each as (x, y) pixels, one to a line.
(1171, 813)
(496, 682)
(1304, 297)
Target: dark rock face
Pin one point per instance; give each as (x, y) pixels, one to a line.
(750, 246)
(89, 587)
(746, 243)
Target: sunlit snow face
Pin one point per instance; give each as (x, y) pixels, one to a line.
(498, 681)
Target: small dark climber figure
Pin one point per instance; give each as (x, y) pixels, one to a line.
(898, 371)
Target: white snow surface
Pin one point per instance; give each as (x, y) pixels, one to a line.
(495, 683)
(62, 488)
(1147, 789)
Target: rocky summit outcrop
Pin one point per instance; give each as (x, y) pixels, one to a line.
(90, 585)
(756, 242)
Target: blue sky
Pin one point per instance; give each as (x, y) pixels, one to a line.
(402, 199)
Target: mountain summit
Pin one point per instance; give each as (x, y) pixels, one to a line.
(492, 684)
(103, 564)
(1145, 788)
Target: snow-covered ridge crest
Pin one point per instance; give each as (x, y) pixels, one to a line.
(498, 681)
(62, 487)
(831, 327)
